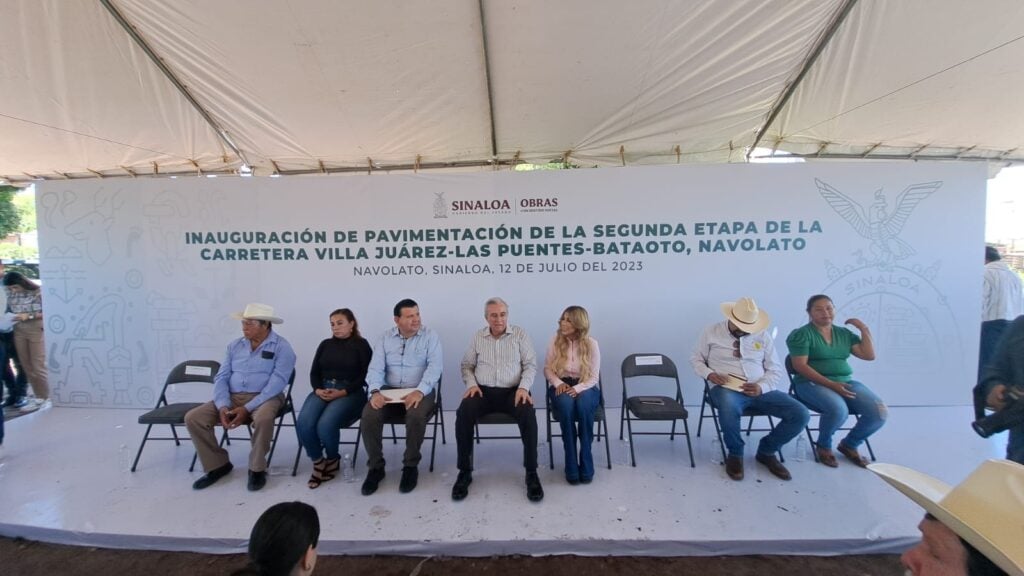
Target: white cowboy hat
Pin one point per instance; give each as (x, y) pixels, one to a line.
(257, 311)
(986, 509)
(745, 314)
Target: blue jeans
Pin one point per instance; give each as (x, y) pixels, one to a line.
(730, 404)
(834, 410)
(320, 423)
(570, 411)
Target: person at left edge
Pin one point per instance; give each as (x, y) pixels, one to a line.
(248, 388)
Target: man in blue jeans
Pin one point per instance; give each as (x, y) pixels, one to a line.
(737, 358)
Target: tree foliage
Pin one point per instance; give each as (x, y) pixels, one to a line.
(10, 216)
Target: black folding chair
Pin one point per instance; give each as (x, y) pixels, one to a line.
(791, 372)
(749, 411)
(657, 408)
(173, 414)
(287, 408)
(600, 420)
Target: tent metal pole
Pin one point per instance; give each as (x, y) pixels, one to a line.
(830, 32)
(487, 77)
(221, 132)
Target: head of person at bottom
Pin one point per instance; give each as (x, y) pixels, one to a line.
(283, 541)
(971, 529)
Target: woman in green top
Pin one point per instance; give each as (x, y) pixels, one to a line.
(824, 382)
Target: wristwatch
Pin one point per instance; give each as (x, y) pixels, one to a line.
(32, 316)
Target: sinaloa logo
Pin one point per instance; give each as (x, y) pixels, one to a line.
(479, 205)
(440, 205)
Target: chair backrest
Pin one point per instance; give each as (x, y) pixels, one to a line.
(650, 364)
(187, 372)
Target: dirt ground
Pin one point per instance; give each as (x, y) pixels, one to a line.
(27, 558)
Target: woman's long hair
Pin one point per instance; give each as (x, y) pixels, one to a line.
(580, 320)
(280, 538)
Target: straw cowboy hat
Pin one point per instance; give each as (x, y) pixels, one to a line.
(986, 509)
(257, 311)
(745, 314)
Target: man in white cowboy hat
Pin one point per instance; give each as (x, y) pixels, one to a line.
(737, 358)
(248, 388)
(975, 528)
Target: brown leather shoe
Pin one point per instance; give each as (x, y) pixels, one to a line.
(774, 466)
(852, 455)
(826, 457)
(734, 467)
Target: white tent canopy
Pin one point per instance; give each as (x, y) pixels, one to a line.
(96, 88)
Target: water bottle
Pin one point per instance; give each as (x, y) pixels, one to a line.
(347, 473)
(800, 449)
(716, 451)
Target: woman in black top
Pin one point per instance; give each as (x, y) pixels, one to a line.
(338, 377)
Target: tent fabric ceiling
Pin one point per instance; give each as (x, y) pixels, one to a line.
(334, 85)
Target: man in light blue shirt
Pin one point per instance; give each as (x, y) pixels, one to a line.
(409, 358)
(248, 388)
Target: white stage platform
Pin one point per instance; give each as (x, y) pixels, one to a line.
(65, 479)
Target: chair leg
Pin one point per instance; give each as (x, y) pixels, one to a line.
(700, 421)
(632, 453)
(433, 441)
(551, 449)
(771, 425)
(672, 436)
(810, 442)
(750, 425)
(622, 418)
(444, 439)
(721, 441)
(476, 428)
(298, 453)
(394, 435)
(195, 455)
(607, 442)
(177, 441)
(144, 438)
(689, 446)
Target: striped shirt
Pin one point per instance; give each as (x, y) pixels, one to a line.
(503, 362)
(24, 301)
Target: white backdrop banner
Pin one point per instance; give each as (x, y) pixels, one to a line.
(142, 274)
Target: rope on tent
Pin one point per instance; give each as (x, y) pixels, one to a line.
(156, 168)
(565, 157)
(277, 170)
(515, 160)
(679, 154)
(918, 151)
(1007, 153)
(98, 175)
(822, 148)
(369, 165)
(62, 175)
(416, 165)
(32, 176)
(131, 172)
(964, 151)
(622, 153)
(870, 150)
(323, 170)
(199, 171)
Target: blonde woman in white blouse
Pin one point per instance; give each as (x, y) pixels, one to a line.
(572, 370)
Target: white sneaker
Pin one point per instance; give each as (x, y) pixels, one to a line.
(32, 405)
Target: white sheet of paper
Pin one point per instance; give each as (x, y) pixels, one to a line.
(395, 395)
(648, 360)
(198, 370)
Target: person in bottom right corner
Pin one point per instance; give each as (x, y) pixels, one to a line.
(824, 379)
(971, 529)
